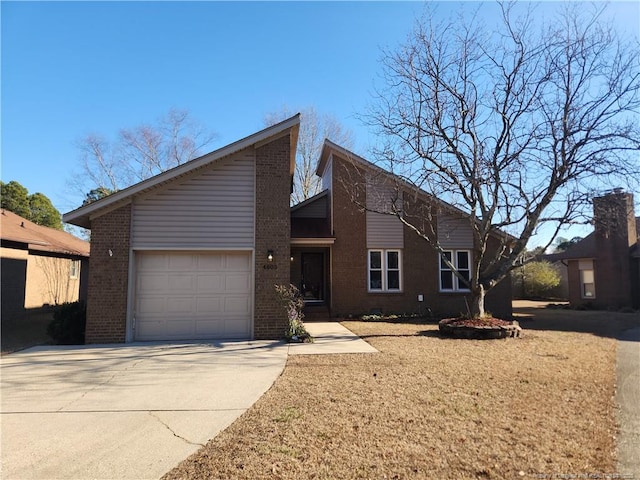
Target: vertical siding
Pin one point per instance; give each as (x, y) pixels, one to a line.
(454, 232)
(384, 231)
(316, 209)
(328, 174)
(212, 209)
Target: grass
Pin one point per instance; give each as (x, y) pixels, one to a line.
(428, 407)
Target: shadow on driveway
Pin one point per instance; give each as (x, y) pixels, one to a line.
(536, 316)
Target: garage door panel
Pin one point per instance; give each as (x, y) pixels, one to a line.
(236, 329)
(153, 282)
(182, 261)
(236, 306)
(210, 263)
(179, 327)
(209, 305)
(193, 295)
(153, 262)
(150, 305)
(238, 262)
(181, 283)
(237, 283)
(210, 327)
(210, 283)
(149, 328)
(180, 305)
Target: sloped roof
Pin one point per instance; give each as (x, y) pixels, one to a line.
(585, 248)
(14, 228)
(82, 216)
(330, 147)
(309, 200)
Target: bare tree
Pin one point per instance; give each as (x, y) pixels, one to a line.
(140, 152)
(517, 126)
(57, 281)
(314, 129)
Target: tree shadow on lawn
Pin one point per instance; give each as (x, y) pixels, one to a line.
(596, 322)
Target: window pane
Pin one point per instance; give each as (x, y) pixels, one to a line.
(375, 260)
(587, 276)
(375, 280)
(392, 260)
(465, 275)
(443, 265)
(393, 280)
(463, 260)
(446, 280)
(589, 290)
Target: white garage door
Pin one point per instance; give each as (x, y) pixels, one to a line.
(192, 295)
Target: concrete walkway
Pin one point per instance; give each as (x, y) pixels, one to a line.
(628, 400)
(330, 338)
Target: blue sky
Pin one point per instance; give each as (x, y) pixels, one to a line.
(73, 68)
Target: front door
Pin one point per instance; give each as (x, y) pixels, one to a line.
(312, 287)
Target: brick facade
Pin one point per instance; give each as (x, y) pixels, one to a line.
(420, 272)
(615, 233)
(108, 277)
(272, 232)
(611, 249)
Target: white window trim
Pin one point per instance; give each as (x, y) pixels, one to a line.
(456, 280)
(384, 269)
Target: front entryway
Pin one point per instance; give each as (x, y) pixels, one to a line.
(312, 286)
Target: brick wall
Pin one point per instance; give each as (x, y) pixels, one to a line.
(420, 274)
(348, 253)
(108, 277)
(273, 187)
(615, 232)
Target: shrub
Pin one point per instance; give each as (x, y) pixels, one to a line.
(535, 279)
(68, 324)
(293, 304)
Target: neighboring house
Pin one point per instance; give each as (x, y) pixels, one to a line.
(603, 269)
(41, 266)
(356, 261)
(196, 252)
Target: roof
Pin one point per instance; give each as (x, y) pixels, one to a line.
(82, 216)
(14, 228)
(330, 147)
(585, 248)
(309, 200)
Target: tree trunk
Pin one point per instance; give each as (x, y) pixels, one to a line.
(477, 302)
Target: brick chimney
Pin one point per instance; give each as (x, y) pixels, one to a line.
(615, 233)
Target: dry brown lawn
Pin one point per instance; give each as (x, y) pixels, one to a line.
(428, 407)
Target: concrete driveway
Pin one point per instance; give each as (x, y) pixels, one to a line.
(125, 411)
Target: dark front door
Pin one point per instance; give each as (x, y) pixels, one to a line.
(312, 287)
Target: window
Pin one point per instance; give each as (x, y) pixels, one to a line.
(385, 271)
(74, 268)
(588, 284)
(461, 260)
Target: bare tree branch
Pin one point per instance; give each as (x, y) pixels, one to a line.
(517, 126)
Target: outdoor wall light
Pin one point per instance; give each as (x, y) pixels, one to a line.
(270, 255)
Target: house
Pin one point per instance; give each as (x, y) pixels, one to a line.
(603, 269)
(353, 259)
(41, 266)
(195, 252)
